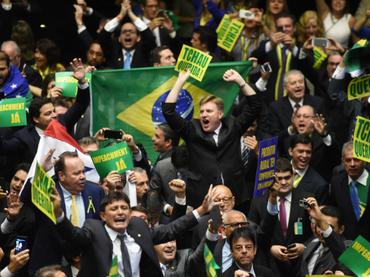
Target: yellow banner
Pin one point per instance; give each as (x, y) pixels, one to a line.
(359, 87)
(194, 60)
(41, 189)
(361, 139)
(228, 32)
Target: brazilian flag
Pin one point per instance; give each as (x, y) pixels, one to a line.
(113, 272)
(357, 58)
(211, 265)
(131, 99)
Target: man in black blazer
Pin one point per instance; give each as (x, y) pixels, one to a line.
(327, 244)
(243, 247)
(283, 220)
(305, 177)
(213, 141)
(100, 241)
(280, 115)
(355, 177)
(24, 142)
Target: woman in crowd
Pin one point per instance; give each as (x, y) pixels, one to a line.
(273, 9)
(337, 22)
(47, 56)
(309, 26)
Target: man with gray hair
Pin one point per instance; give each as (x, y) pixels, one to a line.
(280, 115)
(350, 193)
(32, 76)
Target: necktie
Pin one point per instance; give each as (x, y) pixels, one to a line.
(125, 257)
(296, 106)
(127, 61)
(355, 199)
(297, 179)
(245, 156)
(283, 219)
(75, 218)
(164, 268)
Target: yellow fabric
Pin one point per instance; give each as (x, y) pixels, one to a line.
(75, 218)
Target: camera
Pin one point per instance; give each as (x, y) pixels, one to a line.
(320, 42)
(266, 67)
(303, 203)
(246, 14)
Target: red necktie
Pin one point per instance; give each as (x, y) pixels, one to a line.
(282, 211)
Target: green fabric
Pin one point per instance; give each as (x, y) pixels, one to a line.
(124, 99)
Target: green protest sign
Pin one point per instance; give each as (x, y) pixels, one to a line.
(357, 257)
(68, 84)
(12, 112)
(361, 139)
(115, 157)
(41, 189)
(194, 60)
(228, 32)
(359, 87)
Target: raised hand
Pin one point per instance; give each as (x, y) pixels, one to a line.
(78, 70)
(178, 186)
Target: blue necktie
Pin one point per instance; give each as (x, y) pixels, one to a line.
(127, 62)
(354, 199)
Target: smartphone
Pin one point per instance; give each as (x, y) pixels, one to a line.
(246, 14)
(290, 246)
(216, 217)
(20, 244)
(320, 42)
(162, 13)
(113, 134)
(303, 203)
(266, 67)
(279, 29)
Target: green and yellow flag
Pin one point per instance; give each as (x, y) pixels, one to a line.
(132, 99)
(211, 265)
(357, 58)
(113, 272)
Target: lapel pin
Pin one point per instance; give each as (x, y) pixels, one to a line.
(139, 235)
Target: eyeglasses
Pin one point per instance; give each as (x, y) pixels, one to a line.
(224, 200)
(128, 31)
(236, 224)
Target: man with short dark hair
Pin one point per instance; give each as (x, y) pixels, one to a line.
(162, 56)
(41, 112)
(205, 40)
(122, 237)
(306, 178)
(283, 220)
(243, 246)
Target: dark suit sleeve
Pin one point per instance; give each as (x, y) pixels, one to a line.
(70, 118)
(169, 232)
(335, 244)
(79, 237)
(85, 38)
(249, 113)
(11, 146)
(195, 262)
(175, 121)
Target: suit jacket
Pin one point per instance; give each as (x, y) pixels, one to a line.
(49, 247)
(313, 183)
(97, 247)
(270, 225)
(24, 142)
(340, 197)
(209, 160)
(324, 158)
(261, 271)
(280, 116)
(334, 247)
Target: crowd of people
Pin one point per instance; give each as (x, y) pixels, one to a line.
(194, 212)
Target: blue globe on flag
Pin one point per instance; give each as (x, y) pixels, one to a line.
(184, 107)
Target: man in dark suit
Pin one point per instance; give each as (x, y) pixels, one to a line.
(283, 220)
(323, 250)
(41, 112)
(350, 193)
(160, 25)
(280, 116)
(213, 141)
(243, 247)
(305, 177)
(118, 234)
(80, 201)
(325, 152)
(135, 42)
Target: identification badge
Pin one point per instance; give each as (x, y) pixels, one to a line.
(298, 228)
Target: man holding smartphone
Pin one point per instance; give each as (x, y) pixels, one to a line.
(283, 220)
